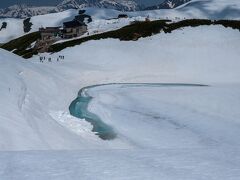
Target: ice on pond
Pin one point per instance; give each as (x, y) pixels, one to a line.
(79, 107)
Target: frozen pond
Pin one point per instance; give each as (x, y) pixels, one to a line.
(79, 107)
(158, 115)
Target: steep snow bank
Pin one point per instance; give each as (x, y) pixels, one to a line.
(25, 119)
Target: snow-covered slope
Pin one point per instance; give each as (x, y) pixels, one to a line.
(207, 9)
(13, 30)
(52, 20)
(121, 5)
(169, 132)
(185, 59)
(168, 4)
(102, 18)
(195, 8)
(21, 108)
(15, 26)
(170, 164)
(100, 22)
(24, 11)
(213, 8)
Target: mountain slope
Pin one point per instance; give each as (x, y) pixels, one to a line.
(168, 4)
(15, 26)
(197, 9)
(213, 8)
(121, 5)
(170, 133)
(36, 108)
(24, 11)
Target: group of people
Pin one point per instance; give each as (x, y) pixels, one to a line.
(49, 59)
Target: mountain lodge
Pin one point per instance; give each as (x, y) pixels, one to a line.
(73, 28)
(50, 33)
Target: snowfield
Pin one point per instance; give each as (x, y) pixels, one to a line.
(170, 116)
(212, 8)
(168, 132)
(14, 29)
(167, 164)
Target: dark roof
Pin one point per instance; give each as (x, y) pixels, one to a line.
(74, 23)
(53, 27)
(83, 17)
(50, 29)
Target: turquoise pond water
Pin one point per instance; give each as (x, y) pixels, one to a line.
(79, 107)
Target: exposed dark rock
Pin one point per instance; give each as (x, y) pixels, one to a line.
(4, 26)
(122, 16)
(27, 25)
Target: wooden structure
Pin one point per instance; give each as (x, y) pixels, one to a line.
(50, 33)
(73, 29)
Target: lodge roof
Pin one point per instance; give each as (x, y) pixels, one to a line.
(72, 24)
(50, 29)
